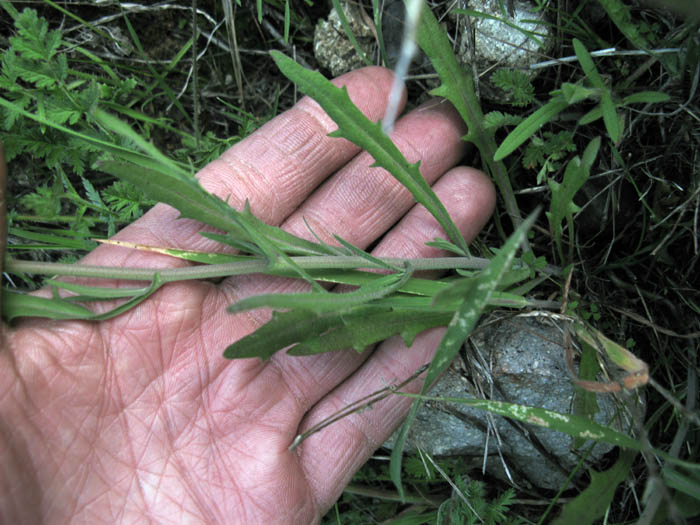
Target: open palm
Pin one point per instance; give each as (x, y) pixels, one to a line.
(141, 418)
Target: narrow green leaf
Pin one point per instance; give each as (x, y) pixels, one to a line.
(374, 261)
(585, 402)
(131, 303)
(368, 135)
(575, 176)
(591, 116)
(458, 87)
(16, 304)
(475, 299)
(588, 65)
(325, 302)
(574, 426)
(61, 241)
(612, 123)
(348, 32)
(287, 20)
(528, 127)
(687, 484)
(95, 292)
(184, 194)
(530, 35)
(122, 128)
(646, 97)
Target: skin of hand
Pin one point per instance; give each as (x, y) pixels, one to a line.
(140, 418)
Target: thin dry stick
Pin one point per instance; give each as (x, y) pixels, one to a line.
(356, 406)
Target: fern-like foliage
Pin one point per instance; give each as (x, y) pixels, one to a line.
(470, 505)
(35, 77)
(37, 80)
(517, 86)
(548, 152)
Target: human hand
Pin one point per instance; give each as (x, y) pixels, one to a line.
(141, 418)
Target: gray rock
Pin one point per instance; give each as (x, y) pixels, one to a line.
(500, 41)
(507, 40)
(519, 360)
(483, 44)
(333, 48)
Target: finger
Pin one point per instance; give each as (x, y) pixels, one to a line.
(335, 453)
(275, 169)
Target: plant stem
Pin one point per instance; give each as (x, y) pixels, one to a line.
(255, 265)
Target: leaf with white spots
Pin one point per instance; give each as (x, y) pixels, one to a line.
(476, 296)
(571, 424)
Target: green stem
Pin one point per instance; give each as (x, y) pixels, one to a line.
(255, 265)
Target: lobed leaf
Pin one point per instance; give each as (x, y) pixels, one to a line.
(283, 330)
(368, 135)
(593, 502)
(363, 329)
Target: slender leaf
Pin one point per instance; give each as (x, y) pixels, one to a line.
(458, 87)
(646, 97)
(607, 106)
(325, 302)
(588, 65)
(528, 127)
(575, 176)
(183, 194)
(570, 424)
(122, 128)
(16, 304)
(348, 31)
(95, 292)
